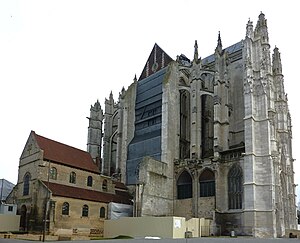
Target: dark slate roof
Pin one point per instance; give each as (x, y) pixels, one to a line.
(89, 195)
(231, 49)
(66, 155)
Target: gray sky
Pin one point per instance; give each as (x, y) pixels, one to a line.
(58, 57)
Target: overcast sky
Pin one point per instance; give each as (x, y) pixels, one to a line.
(58, 57)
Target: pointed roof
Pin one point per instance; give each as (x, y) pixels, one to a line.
(65, 154)
(157, 60)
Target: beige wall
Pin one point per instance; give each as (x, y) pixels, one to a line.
(9, 222)
(164, 227)
(75, 220)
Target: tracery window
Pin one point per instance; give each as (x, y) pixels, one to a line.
(207, 183)
(184, 186)
(207, 121)
(53, 173)
(85, 211)
(102, 212)
(90, 181)
(184, 141)
(65, 208)
(26, 181)
(73, 177)
(235, 187)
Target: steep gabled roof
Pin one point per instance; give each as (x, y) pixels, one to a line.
(66, 155)
(90, 195)
(157, 60)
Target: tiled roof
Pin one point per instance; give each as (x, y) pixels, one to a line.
(67, 155)
(157, 60)
(89, 195)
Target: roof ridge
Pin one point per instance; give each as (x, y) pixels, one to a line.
(52, 140)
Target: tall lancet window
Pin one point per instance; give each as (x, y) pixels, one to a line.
(114, 144)
(184, 142)
(207, 183)
(235, 187)
(207, 131)
(184, 186)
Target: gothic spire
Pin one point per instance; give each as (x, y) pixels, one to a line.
(277, 66)
(219, 46)
(249, 29)
(196, 57)
(261, 29)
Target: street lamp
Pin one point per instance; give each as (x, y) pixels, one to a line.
(47, 201)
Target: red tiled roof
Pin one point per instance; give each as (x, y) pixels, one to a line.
(84, 194)
(67, 155)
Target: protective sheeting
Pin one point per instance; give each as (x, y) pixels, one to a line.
(5, 188)
(118, 210)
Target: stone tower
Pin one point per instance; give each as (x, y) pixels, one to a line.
(94, 140)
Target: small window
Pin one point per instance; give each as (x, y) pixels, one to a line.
(10, 208)
(73, 177)
(53, 173)
(90, 181)
(65, 208)
(85, 211)
(102, 212)
(104, 185)
(26, 181)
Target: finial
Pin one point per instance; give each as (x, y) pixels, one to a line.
(196, 52)
(219, 40)
(134, 79)
(219, 46)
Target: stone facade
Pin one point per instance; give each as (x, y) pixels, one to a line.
(208, 137)
(64, 185)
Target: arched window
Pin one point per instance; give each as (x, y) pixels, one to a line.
(26, 181)
(184, 186)
(102, 212)
(90, 181)
(53, 173)
(73, 177)
(104, 185)
(207, 183)
(65, 208)
(85, 211)
(235, 187)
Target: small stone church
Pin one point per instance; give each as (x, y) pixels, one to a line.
(205, 137)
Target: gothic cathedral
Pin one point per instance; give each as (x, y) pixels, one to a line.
(204, 138)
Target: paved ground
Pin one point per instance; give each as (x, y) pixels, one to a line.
(189, 240)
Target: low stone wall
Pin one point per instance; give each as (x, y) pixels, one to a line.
(9, 222)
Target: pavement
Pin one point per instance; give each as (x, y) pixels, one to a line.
(187, 240)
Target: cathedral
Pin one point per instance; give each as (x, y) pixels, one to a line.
(204, 137)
